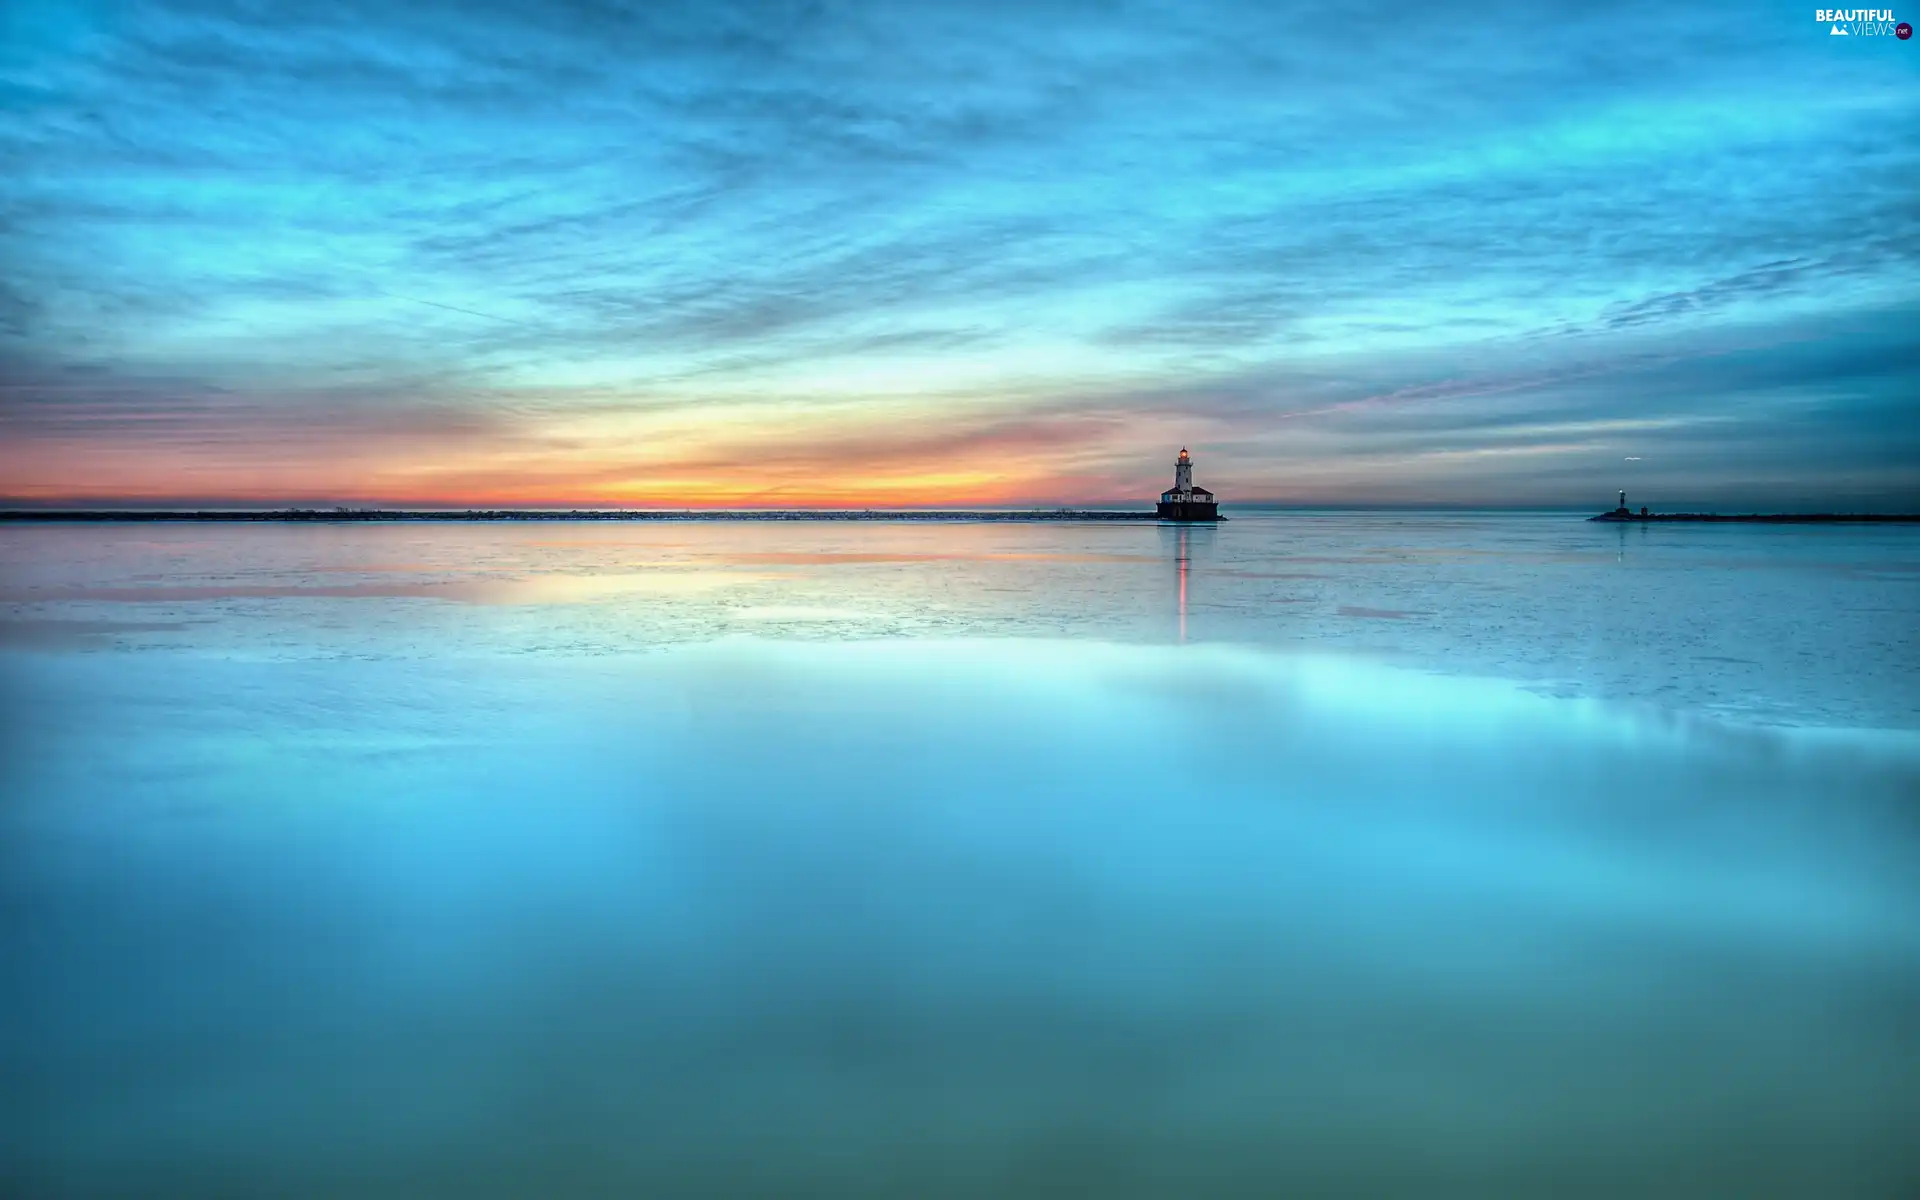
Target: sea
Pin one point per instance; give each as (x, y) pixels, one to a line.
(1306, 854)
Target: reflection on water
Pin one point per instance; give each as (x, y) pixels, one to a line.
(1792, 625)
(1304, 855)
(534, 589)
(1381, 614)
(904, 917)
(1186, 544)
(47, 633)
(818, 558)
(1183, 561)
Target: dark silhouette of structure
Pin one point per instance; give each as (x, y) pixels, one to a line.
(1623, 513)
(1183, 501)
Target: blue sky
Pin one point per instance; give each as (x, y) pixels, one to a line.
(582, 252)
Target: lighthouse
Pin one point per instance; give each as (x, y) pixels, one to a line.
(1183, 501)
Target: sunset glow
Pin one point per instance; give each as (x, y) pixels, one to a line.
(716, 255)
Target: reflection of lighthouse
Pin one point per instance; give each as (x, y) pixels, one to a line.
(1181, 561)
(1190, 547)
(1185, 502)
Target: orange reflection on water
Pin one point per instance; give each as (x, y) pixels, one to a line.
(1180, 560)
(833, 557)
(487, 589)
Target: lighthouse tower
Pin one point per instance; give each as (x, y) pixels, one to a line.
(1183, 501)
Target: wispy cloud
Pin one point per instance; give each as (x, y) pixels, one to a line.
(990, 250)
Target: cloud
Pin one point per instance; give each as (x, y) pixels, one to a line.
(490, 226)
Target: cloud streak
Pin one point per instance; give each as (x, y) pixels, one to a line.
(997, 252)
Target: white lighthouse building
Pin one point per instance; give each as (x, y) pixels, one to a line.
(1183, 501)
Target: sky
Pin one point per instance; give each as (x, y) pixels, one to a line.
(923, 253)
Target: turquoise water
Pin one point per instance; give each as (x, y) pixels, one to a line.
(1309, 854)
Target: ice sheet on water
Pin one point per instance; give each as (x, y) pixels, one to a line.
(1786, 625)
(1003, 916)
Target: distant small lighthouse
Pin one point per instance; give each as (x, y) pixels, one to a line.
(1185, 502)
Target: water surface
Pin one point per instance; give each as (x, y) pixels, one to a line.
(1308, 854)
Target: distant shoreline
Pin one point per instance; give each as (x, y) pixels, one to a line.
(310, 516)
(333, 516)
(1764, 518)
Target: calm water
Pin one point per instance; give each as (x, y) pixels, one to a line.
(1310, 854)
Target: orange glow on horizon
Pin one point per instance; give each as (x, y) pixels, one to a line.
(926, 492)
(1035, 462)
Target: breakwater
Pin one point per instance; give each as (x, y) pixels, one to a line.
(1766, 518)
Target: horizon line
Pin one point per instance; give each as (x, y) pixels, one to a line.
(46, 508)
(190, 504)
